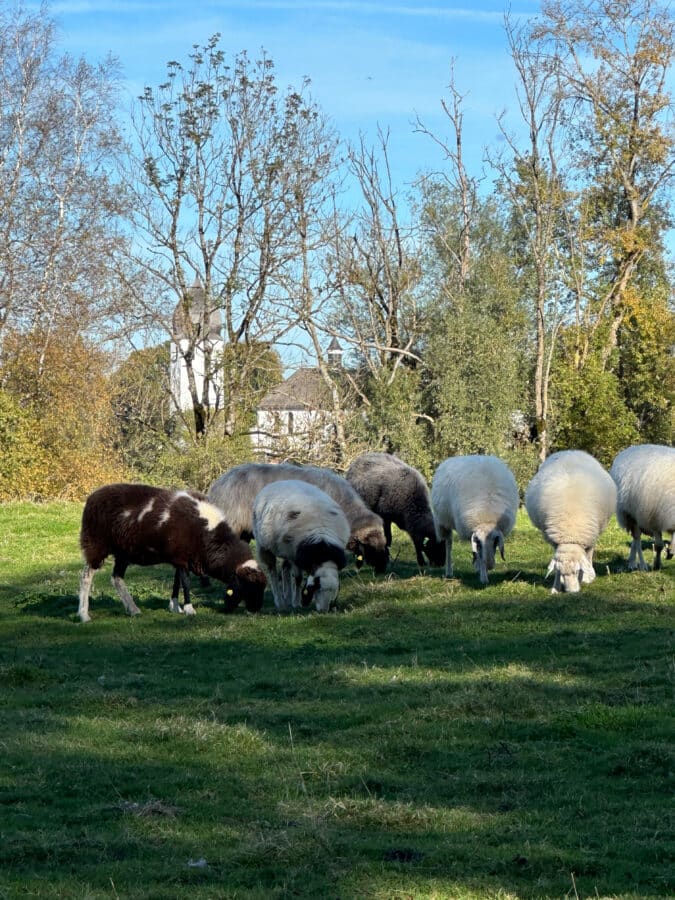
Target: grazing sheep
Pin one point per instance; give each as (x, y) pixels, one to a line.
(298, 524)
(645, 482)
(570, 500)
(235, 490)
(142, 525)
(477, 496)
(399, 494)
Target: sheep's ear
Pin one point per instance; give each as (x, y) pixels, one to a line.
(551, 568)
(499, 543)
(476, 544)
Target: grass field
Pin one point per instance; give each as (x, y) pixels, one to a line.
(431, 739)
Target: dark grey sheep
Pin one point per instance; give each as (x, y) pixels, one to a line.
(400, 495)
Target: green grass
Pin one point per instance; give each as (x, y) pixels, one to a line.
(431, 739)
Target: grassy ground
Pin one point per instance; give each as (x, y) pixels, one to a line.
(431, 739)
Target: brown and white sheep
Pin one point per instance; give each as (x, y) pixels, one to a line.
(138, 524)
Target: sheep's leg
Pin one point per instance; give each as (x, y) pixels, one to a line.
(387, 531)
(448, 555)
(635, 558)
(669, 546)
(296, 587)
(421, 561)
(288, 584)
(174, 603)
(181, 580)
(121, 588)
(269, 563)
(86, 579)
(658, 547)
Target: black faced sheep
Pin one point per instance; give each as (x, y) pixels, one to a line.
(477, 496)
(235, 491)
(399, 494)
(570, 500)
(142, 525)
(299, 525)
(645, 482)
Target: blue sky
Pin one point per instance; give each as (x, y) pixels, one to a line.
(369, 63)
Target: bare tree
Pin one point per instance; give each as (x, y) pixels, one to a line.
(373, 270)
(59, 209)
(222, 161)
(459, 182)
(529, 177)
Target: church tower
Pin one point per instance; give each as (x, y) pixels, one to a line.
(208, 344)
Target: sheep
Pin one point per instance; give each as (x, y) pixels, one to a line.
(570, 500)
(300, 525)
(143, 525)
(399, 494)
(235, 490)
(477, 496)
(645, 480)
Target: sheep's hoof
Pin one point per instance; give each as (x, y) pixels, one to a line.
(85, 618)
(175, 607)
(189, 609)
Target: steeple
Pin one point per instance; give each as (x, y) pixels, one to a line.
(334, 354)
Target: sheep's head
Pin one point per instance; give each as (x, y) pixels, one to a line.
(370, 547)
(322, 587)
(570, 567)
(484, 544)
(247, 585)
(434, 550)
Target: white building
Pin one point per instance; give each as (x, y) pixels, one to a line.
(208, 345)
(296, 418)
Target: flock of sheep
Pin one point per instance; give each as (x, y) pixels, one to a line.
(305, 519)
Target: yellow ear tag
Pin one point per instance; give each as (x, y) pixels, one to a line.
(360, 558)
(229, 592)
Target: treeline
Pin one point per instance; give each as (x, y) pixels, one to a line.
(533, 316)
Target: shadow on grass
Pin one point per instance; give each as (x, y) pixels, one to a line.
(429, 739)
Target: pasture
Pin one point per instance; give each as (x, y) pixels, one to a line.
(431, 739)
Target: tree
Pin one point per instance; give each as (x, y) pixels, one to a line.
(222, 160)
(475, 355)
(475, 343)
(141, 405)
(530, 181)
(612, 59)
(371, 302)
(58, 206)
(62, 390)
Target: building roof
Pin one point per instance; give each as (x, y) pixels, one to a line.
(305, 389)
(196, 309)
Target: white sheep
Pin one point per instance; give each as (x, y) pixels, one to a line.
(645, 482)
(299, 526)
(235, 490)
(476, 496)
(570, 500)
(398, 493)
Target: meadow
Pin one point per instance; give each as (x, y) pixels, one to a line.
(430, 739)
